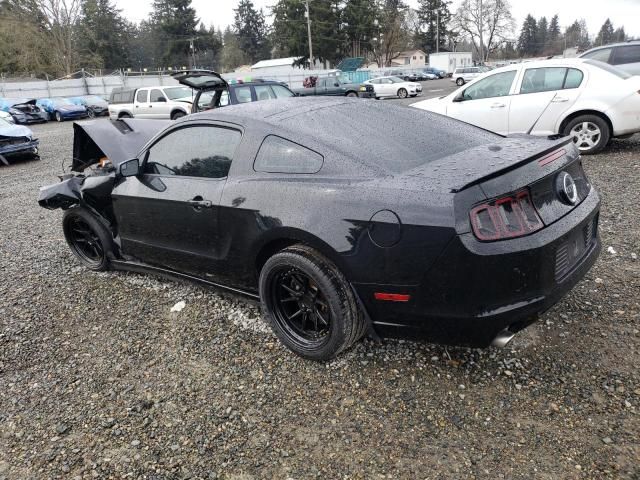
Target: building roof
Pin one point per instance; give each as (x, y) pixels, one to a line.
(450, 53)
(408, 53)
(276, 62)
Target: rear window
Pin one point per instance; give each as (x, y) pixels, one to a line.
(122, 96)
(278, 155)
(626, 54)
(609, 68)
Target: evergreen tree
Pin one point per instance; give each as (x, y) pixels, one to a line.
(541, 36)
(434, 17)
(552, 45)
(527, 38)
(250, 27)
(606, 34)
(176, 22)
(577, 35)
(103, 35)
(619, 35)
(232, 54)
(359, 19)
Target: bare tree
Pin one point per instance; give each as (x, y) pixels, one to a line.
(61, 17)
(486, 23)
(391, 33)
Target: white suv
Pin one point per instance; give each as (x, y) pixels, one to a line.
(151, 102)
(462, 75)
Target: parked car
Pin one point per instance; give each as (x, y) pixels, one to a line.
(96, 106)
(15, 141)
(24, 111)
(586, 99)
(151, 102)
(431, 242)
(212, 91)
(434, 71)
(340, 86)
(394, 87)
(6, 116)
(61, 109)
(462, 75)
(625, 56)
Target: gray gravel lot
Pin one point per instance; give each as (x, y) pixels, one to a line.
(99, 380)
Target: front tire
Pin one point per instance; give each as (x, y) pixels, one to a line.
(460, 82)
(402, 93)
(89, 240)
(177, 115)
(309, 304)
(590, 133)
(58, 117)
(352, 94)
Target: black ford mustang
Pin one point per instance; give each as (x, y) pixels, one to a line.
(342, 216)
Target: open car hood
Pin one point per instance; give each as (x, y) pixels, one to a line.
(21, 103)
(118, 140)
(200, 79)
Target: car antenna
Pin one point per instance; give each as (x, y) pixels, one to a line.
(540, 116)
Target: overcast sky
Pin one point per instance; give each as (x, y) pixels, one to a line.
(621, 12)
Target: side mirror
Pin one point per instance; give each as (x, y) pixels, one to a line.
(162, 100)
(336, 84)
(459, 97)
(130, 168)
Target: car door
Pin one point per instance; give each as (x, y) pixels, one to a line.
(141, 104)
(387, 87)
(168, 216)
(543, 95)
(158, 104)
(485, 103)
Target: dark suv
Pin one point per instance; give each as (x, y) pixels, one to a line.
(625, 56)
(213, 91)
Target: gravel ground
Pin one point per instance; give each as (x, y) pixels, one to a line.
(98, 379)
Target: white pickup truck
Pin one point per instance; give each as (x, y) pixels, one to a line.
(151, 102)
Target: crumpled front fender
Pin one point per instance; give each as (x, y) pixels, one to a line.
(61, 195)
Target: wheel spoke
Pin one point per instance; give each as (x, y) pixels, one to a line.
(297, 314)
(290, 290)
(290, 299)
(321, 318)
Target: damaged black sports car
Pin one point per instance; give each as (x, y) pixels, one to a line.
(453, 235)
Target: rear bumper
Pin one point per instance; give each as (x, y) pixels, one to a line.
(476, 290)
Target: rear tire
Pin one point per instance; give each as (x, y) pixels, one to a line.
(402, 93)
(309, 304)
(590, 133)
(89, 240)
(124, 115)
(460, 82)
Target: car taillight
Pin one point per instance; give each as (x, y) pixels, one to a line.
(507, 217)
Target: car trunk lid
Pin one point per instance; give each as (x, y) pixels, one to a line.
(200, 79)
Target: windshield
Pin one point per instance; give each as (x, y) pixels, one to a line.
(178, 92)
(61, 102)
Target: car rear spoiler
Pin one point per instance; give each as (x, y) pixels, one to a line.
(117, 140)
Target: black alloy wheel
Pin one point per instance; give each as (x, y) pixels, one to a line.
(300, 308)
(309, 303)
(89, 240)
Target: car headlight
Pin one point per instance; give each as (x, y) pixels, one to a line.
(363, 89)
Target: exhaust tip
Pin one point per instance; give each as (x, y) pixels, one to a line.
(504, 337)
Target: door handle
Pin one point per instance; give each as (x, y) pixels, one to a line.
(498, 105)
(198, 203)
(559, 100)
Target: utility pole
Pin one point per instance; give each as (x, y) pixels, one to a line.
(438, 29)
(193, 53)
(309, 34)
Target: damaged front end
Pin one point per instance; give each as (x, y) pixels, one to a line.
(98, 148)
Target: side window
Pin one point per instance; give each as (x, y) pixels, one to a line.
(282, 92)
(626, 54)
(542, 80)
(497, 85)
(278, 155)
(198, 151)
(224, 98)
(601, 55)
(243, 94)
(156, 96)
(263, 92)
(573, 79)
(142, 96)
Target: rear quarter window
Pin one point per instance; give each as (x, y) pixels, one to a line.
(626, 54)
(279, 155)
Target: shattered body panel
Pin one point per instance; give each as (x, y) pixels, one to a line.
(16, 140)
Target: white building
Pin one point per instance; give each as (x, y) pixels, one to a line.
(410, 58)
(279, 66)
(449, 61)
